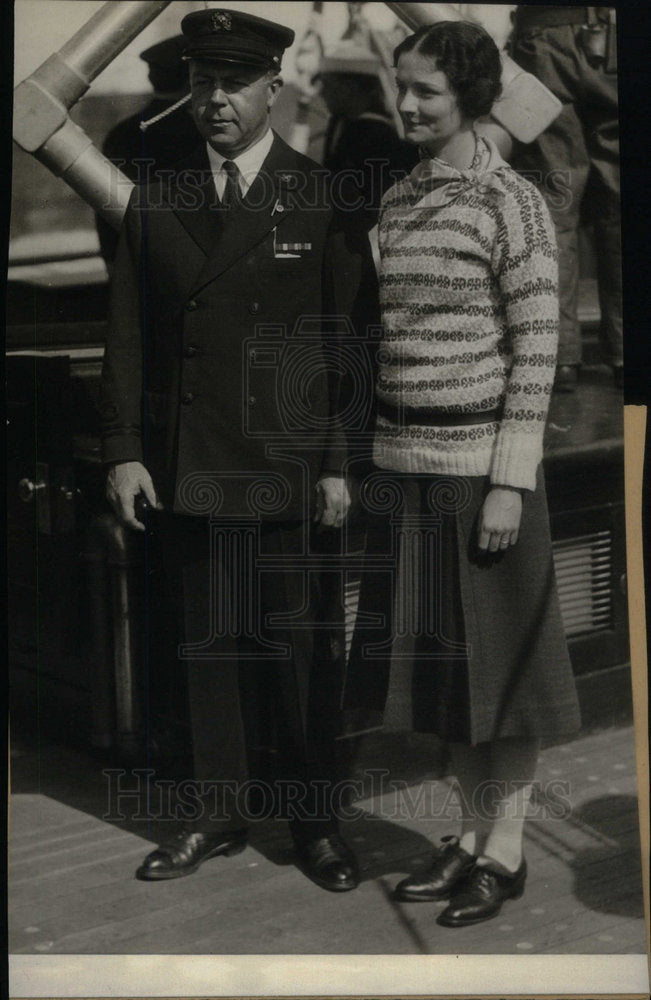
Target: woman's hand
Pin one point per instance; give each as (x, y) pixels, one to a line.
(499, 521)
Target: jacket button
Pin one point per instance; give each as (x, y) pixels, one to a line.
(190, 351)
(254, 307)
(192, 305)
(187, 398)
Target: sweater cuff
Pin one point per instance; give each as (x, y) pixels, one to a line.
(516, 460)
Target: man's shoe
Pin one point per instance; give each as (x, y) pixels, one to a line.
(481, 894)
(330, 863)
(437, 882)
(183, 854)
(566, 378)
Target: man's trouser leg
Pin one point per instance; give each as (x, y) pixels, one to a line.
(303, 612)
(212, 675)
(221, 669)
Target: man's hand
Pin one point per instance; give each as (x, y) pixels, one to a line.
(124, 482)
(332, 501)
(499, 521)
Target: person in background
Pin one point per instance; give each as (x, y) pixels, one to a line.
(468, 293)
(575, 161)
(140, 153)
(361, 139)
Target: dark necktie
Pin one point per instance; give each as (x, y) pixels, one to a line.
(232, 196)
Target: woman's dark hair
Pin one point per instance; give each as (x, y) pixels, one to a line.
(467, 55)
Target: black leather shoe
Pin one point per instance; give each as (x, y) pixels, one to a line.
(566, 378)
(329, 862)
(481, 894)
(183, 854)
(451, 865)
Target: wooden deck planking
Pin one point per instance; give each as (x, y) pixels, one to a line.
(617, 937)
(308, 920)
(189, 893)
(73, 889)
(200, 905)
(536, 914)
(188, 916)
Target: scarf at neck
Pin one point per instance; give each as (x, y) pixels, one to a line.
(440, 183)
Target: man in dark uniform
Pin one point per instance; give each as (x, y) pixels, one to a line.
(219, 404)
(139, 152)
(176, 134)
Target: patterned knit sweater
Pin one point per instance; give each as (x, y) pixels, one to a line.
(470, 316)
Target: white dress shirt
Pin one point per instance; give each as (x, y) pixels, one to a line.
(249, 164)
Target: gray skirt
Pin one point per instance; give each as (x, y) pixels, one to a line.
(467, 645)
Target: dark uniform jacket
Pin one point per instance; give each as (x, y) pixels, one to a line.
(221, 374)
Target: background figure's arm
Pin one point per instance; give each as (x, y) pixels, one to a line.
(350, 310)
(351, 322)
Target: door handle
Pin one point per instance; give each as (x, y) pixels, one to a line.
(28, 489)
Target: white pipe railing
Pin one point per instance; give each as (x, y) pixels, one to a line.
(41, 103)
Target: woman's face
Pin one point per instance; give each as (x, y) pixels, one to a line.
(428, 107)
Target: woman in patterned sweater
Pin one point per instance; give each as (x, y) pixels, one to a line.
(473, 647)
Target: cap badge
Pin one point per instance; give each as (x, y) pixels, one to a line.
(221, 21)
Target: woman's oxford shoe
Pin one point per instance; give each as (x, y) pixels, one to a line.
(480, 896)
(183, 854)
(449, 867)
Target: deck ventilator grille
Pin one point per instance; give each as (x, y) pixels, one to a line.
(583, 566)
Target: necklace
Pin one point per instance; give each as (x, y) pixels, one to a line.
(476, 160)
